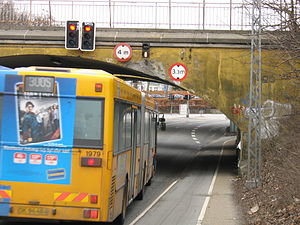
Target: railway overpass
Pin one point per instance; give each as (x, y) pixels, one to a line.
(218, 63)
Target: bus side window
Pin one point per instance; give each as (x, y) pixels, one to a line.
(122, 126)
(147, 126)
(138, 127)
(153, 124)
(119, 127)
(122, 130)
(128, 126)
(116, 126)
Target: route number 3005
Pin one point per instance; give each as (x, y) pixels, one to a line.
(39, 84)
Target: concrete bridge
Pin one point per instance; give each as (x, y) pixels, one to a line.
(218, 63)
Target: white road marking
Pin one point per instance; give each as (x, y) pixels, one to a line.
(152, 204)
(194, 135)
(211, 187)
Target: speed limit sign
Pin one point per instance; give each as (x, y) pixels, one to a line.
(123, 52)
(178, 71)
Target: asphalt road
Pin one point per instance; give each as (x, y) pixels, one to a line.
(188, 155)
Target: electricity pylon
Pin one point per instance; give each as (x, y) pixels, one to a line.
(255, 117)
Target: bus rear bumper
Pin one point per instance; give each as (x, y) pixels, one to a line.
(38, 212)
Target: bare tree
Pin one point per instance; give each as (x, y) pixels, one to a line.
(11, 17)
(278, 198)
(285, 34)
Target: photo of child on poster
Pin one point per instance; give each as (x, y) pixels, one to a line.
(39, 119)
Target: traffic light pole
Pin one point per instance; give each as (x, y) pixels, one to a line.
(188, 108)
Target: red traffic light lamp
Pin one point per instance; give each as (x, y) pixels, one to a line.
(72, 27)
(87, 28)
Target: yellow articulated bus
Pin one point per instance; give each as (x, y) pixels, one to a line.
(75, 144)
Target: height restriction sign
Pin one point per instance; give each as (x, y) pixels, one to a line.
(178, 71)
(123, 52)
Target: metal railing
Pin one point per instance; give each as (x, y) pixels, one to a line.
(163, 14)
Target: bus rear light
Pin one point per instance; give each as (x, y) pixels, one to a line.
(90, 213)
(94, 199)
(86, 213)
(91, 162)
(94, 213)
(98, 87)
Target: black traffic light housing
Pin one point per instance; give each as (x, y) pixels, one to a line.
(171, 97)
(187, 97)
(72, 35)
(146, 50)
(88, 36)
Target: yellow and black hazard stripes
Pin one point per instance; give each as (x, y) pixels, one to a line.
(71, 197)
(5, 194)
(5, 198)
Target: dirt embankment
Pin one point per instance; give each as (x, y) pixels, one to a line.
(277, 201)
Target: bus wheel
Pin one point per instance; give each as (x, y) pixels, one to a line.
(149, 182)
(121, 218)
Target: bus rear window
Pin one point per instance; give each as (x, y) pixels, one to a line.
(88, 131)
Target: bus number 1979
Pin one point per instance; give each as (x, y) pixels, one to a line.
(93, 153)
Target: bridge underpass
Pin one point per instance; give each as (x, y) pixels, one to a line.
(218, 63)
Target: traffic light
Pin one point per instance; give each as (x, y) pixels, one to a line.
(72, 35)
(187, 97)
(146, 50)
(88, 36)
(171, 97)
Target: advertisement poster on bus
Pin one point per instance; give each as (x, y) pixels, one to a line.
(37, 132)
(38, 117)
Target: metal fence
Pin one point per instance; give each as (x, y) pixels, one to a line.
(163, 14)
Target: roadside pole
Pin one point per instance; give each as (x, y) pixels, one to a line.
(188, 108)
(187, 97)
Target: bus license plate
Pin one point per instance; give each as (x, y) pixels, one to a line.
(37, 211)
